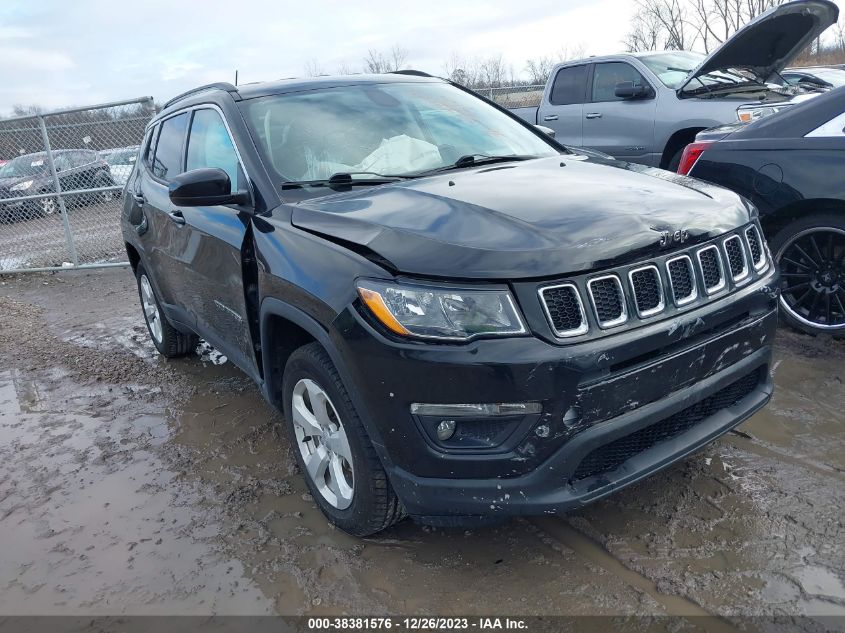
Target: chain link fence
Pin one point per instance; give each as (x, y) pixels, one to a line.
(61, 177)
(527, 96)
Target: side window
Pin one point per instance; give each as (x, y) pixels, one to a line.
(150, 147)
(569, 86)
(607, 75)
(209, 145)
(167, 161)
(84, 158)
(61, 161)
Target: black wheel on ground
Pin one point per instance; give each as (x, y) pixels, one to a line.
(170, 342)
(48, 205)
(810, 252)
(332, 448)
(104, 180)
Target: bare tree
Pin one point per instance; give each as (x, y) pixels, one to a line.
(493, 72)
(540, 68)
(682, 24)
(461, 70)
(313, 68)
(378, 62)
(345, 69)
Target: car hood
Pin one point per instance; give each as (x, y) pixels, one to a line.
(768, 43)
(5, 183)
(539, 218)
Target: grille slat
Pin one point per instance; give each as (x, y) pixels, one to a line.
(755, 246)
(564, 309)
(648, 290)
(736, 258)
(609, 457)
(608, 300)
(711, 269)
(682, 280)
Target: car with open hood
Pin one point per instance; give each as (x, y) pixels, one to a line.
(461, 319)
(790, 167)
(646, 107)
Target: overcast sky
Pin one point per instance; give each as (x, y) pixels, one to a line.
(60, 53)
(56, 53)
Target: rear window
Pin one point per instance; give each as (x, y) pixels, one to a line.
(569, 86)
(168, 153)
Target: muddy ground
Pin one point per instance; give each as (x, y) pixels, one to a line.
(134, 485)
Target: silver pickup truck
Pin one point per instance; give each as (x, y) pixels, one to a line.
(646, 107)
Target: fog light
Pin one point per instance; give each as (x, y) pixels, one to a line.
(445, 430)
(501, 409)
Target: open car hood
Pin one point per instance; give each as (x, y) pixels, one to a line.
(769, 42)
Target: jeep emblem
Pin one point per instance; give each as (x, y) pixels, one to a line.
(668, 238)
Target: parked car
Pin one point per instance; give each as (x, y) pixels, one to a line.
(790, 167)
(460, 318)
(120, 161)
(29, 175)
(646, 107)
(817, 76)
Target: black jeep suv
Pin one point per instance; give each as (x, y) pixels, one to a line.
(460, 318)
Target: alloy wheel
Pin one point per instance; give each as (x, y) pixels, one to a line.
(812, 264)
(48, 205)
(322, 443)
(151, 313)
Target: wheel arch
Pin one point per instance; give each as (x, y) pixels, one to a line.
(778, 219)
(679, 139)
(285, 328)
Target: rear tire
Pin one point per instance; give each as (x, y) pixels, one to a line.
(675, 161)
(343, 473)
(170, 342)
(810, 252)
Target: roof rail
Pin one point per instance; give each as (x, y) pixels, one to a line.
(220, 85)
(414, 73)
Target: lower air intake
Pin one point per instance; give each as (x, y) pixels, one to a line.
(610, 456)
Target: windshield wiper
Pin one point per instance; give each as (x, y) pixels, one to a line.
(473, 160)
(344, 179)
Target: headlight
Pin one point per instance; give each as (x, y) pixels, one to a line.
(749, 114)
(441, 313)
(26, 184)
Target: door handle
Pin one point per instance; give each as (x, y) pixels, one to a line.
(594, 115)
(177, 217)
(139, 199)
(550, 117)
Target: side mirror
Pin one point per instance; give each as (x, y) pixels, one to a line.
(546, 130)
(204, 187)
(630, 90)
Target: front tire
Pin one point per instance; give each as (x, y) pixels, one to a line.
(170, 342)
(810, 252)
(332, 449)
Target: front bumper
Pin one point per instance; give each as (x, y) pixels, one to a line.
(551, 489)
(612, 388)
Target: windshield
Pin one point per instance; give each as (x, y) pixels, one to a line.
(32, 165)
(120, 157)
(395, 129)
(673, 67)
(834, 77)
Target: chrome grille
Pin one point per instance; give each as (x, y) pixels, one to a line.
(736, 258)
(564, 309)
(648, 290)
(682, 280)
(688, 278)
(711, 269)
(608, 300)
